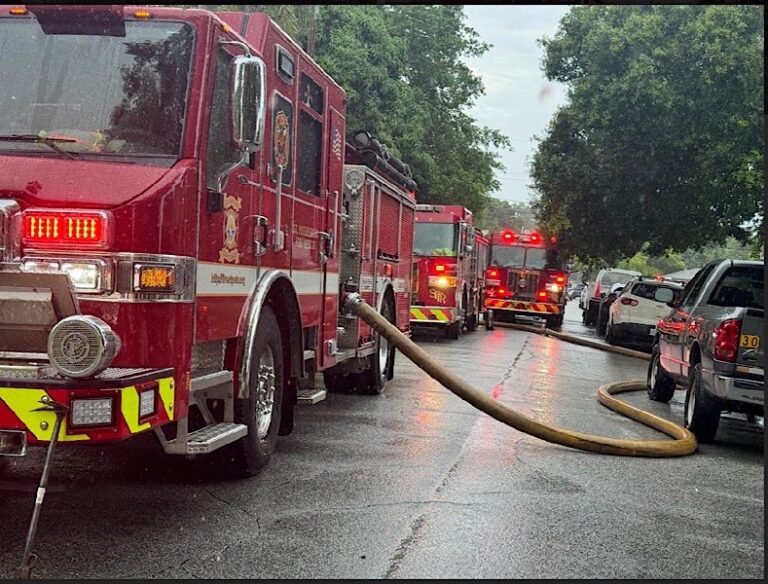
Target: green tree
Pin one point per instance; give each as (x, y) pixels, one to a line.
(660, 147)
(499, 214)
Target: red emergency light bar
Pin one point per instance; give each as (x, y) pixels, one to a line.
(439, 268)
(66, 229)
(534, 237)
(508, 236)
(493, 273)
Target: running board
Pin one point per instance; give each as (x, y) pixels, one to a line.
(310, 396)
(208, 439)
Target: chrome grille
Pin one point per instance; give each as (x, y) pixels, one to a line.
(523, 284)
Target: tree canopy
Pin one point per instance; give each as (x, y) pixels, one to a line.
(660, 146)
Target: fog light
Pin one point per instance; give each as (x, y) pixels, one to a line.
(82, 346)
(146, 403)
(91, 412)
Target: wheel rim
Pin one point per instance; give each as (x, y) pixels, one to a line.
(265, 392)
(654, 372)
(690, 404)
(383, 354)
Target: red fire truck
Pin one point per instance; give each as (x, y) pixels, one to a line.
(180, 215)
(449, 259)
(525, 276)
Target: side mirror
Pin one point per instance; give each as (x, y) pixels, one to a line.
(248, 102)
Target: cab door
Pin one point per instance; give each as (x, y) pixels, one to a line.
(226, 270)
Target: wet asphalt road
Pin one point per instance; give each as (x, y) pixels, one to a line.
(415, 484)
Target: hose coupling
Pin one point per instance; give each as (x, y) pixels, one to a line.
(350, 302)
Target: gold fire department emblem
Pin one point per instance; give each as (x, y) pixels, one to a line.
(229, 253)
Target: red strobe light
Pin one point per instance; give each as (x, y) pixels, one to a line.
(72, 229)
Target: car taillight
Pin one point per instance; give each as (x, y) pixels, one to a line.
(66, 229)
(629, 302)
(597, 290)
(727, 340)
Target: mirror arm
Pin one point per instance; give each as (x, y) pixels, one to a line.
(239, 44)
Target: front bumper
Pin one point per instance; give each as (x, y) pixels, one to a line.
(533, 308)
(21, 396)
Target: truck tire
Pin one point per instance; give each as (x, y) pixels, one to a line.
(373, 380)
(554, 322)
(661, 387)
(260, 411)
(702, 411)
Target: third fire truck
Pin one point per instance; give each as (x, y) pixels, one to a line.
(180, 218)
(449, 258)
(525, 276)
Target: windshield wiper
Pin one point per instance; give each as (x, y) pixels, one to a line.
(50, 142)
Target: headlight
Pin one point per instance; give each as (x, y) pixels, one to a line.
(553, 287)
(89, 276)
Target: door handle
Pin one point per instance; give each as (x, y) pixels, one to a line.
(329, 239)
(259, 239)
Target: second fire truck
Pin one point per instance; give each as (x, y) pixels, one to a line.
(525, 276)
(450, 256)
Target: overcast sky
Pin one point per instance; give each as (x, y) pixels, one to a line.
(518, 100)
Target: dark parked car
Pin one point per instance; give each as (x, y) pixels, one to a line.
(711, 341)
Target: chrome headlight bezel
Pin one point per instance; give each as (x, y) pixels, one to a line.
(104, 270)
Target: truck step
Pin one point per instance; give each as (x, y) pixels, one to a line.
(310, 396)
(213, 437)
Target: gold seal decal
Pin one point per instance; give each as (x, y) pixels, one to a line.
(229, 253)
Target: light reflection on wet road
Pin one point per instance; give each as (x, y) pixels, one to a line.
(415, 484)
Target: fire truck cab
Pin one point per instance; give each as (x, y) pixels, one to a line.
(525, 276)
(449, 257)
(180, 218)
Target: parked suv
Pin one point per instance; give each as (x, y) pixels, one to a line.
(711, 342)
(599, 289)
(634, 314)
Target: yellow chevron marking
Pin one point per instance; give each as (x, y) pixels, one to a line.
(441, 316)
(167, 395)
(129, 407)
(417, 314)
(23, 401)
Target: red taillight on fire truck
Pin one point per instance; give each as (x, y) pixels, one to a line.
(727, 340)
(439, 268)
(493, 273)
(542, 295)
(66, 229)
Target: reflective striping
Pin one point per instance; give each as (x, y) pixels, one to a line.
(167, 395)
(22, 402)
(431, 314)
(214, 279)
(524, 306)
(129, 407)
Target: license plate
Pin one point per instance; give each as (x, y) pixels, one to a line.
(652, 331)
(749, 341)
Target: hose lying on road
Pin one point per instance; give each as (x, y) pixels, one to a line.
(684, 443)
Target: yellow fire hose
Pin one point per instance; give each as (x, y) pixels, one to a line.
(684, 441)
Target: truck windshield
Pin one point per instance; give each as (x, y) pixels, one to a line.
(435, 239)
(519, 257)
(102, 95)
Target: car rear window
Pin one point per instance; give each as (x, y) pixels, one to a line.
(647, 290)
(611, 278)
(740, 286)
